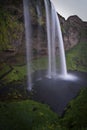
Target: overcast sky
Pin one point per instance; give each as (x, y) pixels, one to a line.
(71, 7)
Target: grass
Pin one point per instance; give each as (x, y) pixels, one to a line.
(17, 74)
(77, 57)
(27, 115)
(4, 68)
(40, 63)
(75, 117)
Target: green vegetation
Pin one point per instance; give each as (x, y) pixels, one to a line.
(10, 74)
(17, 74)
(10, 30)
(4, 68)
(27, 115)
(40, 64)
(30, 115)
(75, 117)
(77, 57)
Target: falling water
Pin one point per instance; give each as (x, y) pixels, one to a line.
(28, 40)
(61, 47)
(51, 27)
(48, 37)
(53, 48)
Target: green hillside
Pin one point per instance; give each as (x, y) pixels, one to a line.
(27, 115)
(77, 57)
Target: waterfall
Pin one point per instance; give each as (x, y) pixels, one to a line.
(61, 48)
(28, 31)
(52, 24)
(48, 37)
(51, 39)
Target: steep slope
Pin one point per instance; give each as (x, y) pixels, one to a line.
(74, 30)
(77, 57)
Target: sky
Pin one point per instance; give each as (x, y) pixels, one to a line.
(67, 8)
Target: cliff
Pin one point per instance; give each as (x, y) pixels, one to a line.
(74, 30)
(12, 35)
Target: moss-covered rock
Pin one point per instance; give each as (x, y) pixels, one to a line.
(76, 57)
(75, 117)
(27, 115)
(11, 31)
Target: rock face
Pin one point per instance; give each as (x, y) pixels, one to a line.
(73, 30)
(13, 38)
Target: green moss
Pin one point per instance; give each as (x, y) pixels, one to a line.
(77, 57)
(31, 115)
(17, 74)
(27, 115)
(4, 68)
(40, 64)
(10, 30)
(75, 117)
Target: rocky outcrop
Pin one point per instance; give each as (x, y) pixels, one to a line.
(73, 30)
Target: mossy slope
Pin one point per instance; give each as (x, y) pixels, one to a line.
(77, 57)
(75, 117)
(27, 115)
